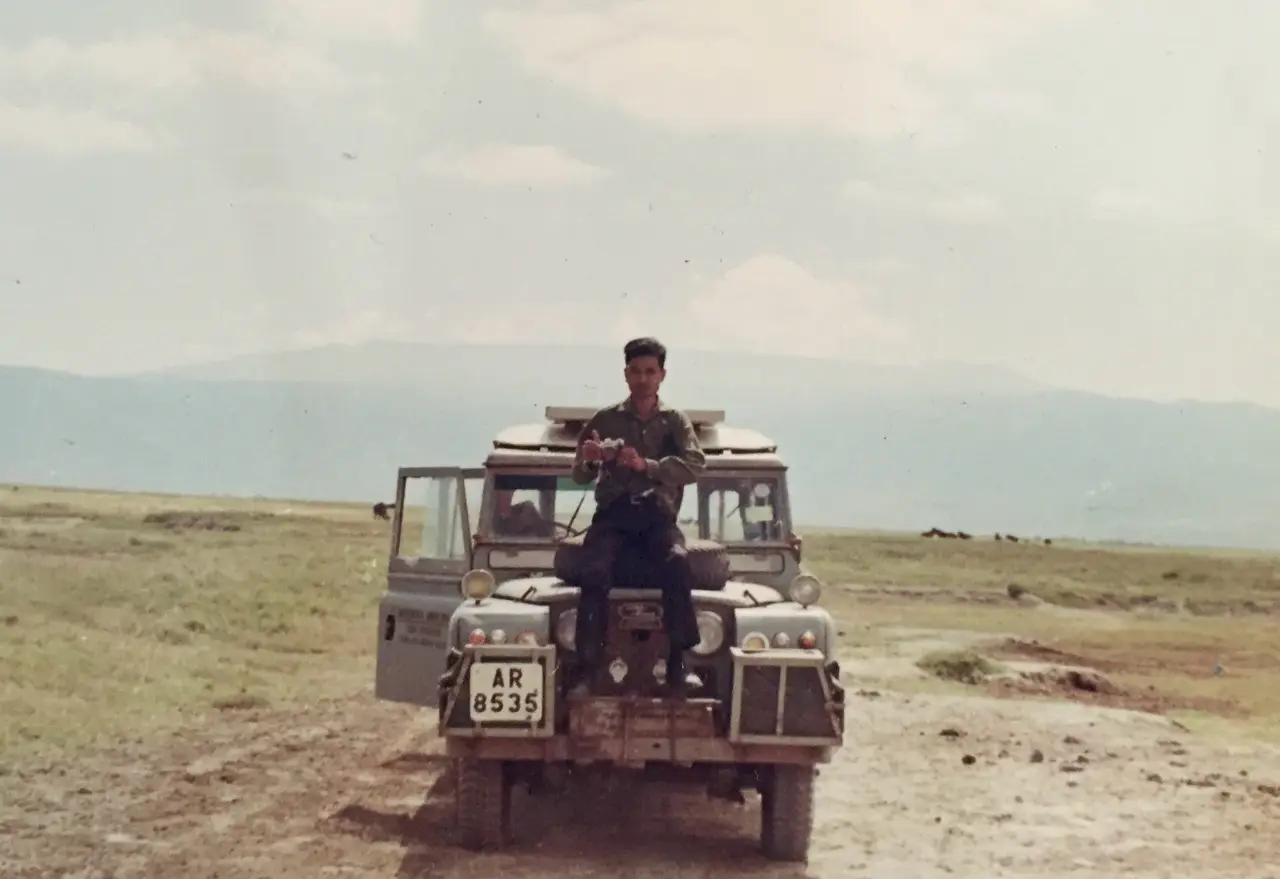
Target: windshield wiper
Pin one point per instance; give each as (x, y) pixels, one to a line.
(574, 517)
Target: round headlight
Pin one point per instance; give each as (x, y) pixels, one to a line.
(498, 636)
(710, 633)
(566, 629)
(477, 585)
(781, 640)
(806, 589)
(753, 641)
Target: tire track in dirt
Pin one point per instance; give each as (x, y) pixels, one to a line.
(351, 787)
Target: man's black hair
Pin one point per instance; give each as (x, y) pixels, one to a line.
(645, 346)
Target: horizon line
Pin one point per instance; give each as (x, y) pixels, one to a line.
(1032, 386)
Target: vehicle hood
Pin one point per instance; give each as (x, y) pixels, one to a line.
(545, 590)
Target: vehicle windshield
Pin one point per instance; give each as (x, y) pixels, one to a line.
(736, 508)
(728, 508)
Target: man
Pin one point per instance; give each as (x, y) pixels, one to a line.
(519, 519)
(638, 495)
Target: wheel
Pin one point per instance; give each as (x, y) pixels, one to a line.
(483, 804)
(786, 812)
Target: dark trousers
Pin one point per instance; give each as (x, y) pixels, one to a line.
(655, 536)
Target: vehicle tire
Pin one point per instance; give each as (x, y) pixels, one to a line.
(483, 804)
(786, 813)
(708, 561)
(710, 564)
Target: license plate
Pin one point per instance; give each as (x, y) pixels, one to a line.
(506, 691)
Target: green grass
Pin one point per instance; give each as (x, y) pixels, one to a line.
(1067, 574)
(964, 666)
(1170, 646)
(125, 615)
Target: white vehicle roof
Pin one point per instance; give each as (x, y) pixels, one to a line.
(553, 442)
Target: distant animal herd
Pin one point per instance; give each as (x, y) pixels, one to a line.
(961, 535)
(383, 512)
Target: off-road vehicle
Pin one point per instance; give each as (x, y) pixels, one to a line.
(478, 622)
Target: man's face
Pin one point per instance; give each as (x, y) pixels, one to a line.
(644, 376)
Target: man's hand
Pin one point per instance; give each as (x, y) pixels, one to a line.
(592, 452)
(631, 459)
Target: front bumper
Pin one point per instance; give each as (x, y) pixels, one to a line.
(785, 706)
(634, 751)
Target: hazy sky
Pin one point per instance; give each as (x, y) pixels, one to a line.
(1086, 192)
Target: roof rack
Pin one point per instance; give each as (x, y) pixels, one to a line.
(582, 414)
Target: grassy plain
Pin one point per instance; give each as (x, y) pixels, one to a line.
(1197, 631)
(123, 615)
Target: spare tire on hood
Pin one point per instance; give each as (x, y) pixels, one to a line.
(708, 561)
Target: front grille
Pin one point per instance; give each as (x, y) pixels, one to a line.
(760, 684)
(634, 636)
(804, 712)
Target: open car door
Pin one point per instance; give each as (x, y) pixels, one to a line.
(430, 551)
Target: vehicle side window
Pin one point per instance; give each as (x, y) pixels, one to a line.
(516, 512)
(726, 523)
(431, 525)
(759, 513)
(574, 504)
(688, 518)
(526, 507)
(739, 510)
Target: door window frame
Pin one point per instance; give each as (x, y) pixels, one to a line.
(428, 563)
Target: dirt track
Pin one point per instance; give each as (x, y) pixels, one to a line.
(354, 788)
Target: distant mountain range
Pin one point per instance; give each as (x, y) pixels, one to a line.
(952, 445)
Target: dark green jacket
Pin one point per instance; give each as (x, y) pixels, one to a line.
(667, 441)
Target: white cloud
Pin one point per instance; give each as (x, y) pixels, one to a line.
(869, 193)
(849, 67)
(550, 322)
(1136, 206)
(965, 206)
(767, 304)
(770, 303)
(380, 112)
(1121, 204)
(1012, 102)
(50, 129)
(329, 207)
(391, 21)
(530, 165)
(175, 61)
(366, 325)
(885, 268)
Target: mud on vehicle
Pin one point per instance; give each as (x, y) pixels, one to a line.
(478, 623)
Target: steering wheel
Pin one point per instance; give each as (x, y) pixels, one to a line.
(569, 532)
